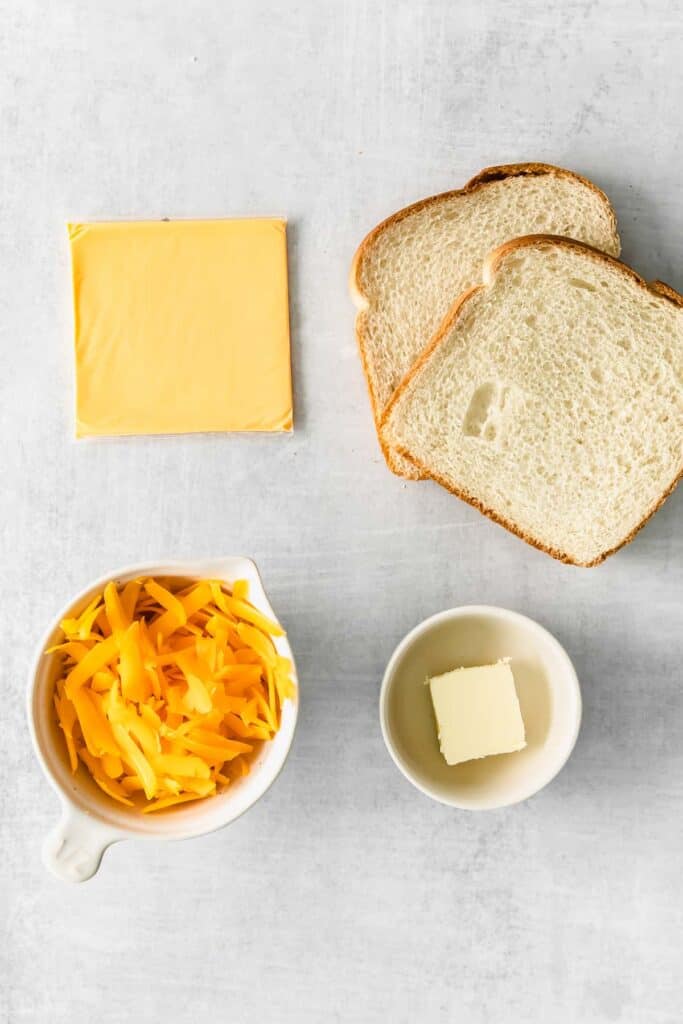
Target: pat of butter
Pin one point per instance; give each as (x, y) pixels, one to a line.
(477, 712)
(181, 326)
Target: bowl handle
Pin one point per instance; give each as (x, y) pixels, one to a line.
(73, 849)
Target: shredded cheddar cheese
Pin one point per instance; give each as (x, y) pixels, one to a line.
(167, 688)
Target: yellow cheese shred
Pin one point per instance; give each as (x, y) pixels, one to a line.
(167, 688)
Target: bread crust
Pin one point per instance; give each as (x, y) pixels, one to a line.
(491, 265)
(481, 180)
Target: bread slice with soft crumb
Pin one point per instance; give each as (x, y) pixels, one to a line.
(551, 398)
(411, 268)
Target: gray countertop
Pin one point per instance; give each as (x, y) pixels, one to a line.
(344, 895)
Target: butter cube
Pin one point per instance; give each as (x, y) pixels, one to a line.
(477, 712)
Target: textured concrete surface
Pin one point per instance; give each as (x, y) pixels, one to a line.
(345, 895)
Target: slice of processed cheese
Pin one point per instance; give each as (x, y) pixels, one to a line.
(181, 326)
(477, 712)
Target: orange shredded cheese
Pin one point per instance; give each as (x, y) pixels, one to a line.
(167, 688)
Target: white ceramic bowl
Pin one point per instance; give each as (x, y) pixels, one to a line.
(91, 821)
(549, 698)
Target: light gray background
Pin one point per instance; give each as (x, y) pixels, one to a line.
(344, 895)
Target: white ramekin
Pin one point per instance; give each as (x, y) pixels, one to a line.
(547, 687)
(91, 821)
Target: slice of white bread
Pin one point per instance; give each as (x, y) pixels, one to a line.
(410, 269)
(551, 398)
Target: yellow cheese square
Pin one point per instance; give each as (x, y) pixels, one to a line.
(181, 326)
